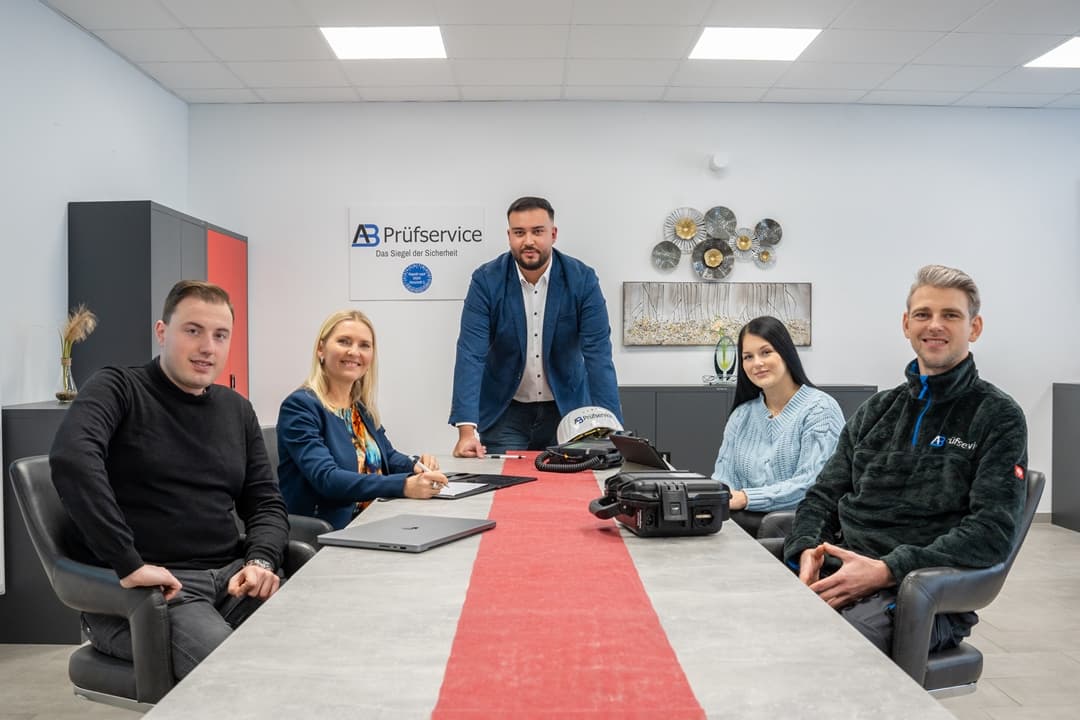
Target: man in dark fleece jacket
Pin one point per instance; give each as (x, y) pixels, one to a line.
(929, 473)
(150, 463)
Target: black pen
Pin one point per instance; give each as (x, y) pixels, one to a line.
(497, 456)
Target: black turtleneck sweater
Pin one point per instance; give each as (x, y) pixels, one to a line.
(151, 474)
(929, 473)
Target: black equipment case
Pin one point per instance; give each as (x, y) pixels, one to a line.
(664, 504)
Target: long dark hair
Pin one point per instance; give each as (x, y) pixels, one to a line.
(773, 332)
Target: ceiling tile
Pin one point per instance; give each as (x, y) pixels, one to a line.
(183, 75)
(847, 76)
(908, 14)
(868, 46)
(217, 96)
(314, 73)
(1026, 16)
(1013, 100)
(411, 94)
(504, 12)
(510, 92)
(619, 72)
(308, 94)
(156, 45)
(372, 13)
(689, 94)
(508, 72)
(115, 14)
(640, 12)
(596, 41)
(237, 13)
(505, 41)
(802, 95)
(1069, 101)
(387, 73)
(909, 97)
(616, 92)
(987, 49)
(246, 44)
(941, 78)
(1036, 80)
(778, 13)
(729, 73)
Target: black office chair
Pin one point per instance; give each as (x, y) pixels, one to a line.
(304, 528)
(927, 592)
(133, 685)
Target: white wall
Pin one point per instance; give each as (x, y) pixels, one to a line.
(76, 123)
(865, 195)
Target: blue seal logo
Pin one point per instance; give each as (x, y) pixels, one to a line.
(938, 441)
(416, 278)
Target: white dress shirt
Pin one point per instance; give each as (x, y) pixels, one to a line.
(534, 385)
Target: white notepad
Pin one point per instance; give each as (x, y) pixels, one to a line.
(453, 489)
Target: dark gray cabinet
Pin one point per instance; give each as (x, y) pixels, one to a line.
(688, 421)
(29, 610)
(1065, 457)
(124, 257)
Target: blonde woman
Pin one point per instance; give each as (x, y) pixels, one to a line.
(334, 455)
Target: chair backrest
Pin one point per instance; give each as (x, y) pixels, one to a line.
(1036, 482)
(47, 522)
(269, 433)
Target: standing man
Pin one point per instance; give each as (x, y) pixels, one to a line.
(930, 473)
(151, 462)
(535, 342)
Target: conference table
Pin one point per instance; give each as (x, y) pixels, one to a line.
(551, 614)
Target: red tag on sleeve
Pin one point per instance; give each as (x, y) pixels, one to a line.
(1018, 472)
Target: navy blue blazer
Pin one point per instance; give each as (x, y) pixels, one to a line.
(491, 344)
(317, 462)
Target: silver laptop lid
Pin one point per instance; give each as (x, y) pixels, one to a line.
(406, 533)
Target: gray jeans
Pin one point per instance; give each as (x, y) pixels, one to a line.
(201, 616)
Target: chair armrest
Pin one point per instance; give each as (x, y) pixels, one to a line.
(296, 554)
(307, 529)
(777, 524)
(775, 545)
(93, 589)
(927, 592)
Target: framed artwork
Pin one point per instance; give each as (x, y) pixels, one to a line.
(693, 313)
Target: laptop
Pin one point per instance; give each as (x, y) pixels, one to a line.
(638, 450)
(406, 533)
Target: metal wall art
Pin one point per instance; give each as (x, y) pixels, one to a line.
(692, 313)
(714, 242)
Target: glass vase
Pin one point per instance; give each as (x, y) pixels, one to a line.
(67, 391)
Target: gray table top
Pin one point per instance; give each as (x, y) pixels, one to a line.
(367, 634)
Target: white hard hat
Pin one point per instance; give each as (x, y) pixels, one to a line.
(591, 421)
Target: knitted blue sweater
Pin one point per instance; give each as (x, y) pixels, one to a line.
(774, 460)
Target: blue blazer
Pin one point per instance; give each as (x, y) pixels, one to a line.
(491, 345)
(317, 462)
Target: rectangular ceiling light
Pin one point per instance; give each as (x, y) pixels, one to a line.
(1065, 55)
(385, 43)
(721, 43)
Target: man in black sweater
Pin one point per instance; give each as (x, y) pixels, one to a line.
(150, 463)
(929, 473)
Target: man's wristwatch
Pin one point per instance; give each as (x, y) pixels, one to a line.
(264, 564)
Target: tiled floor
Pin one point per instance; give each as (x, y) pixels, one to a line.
(1030, 638)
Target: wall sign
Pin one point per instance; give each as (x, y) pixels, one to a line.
(416, 252)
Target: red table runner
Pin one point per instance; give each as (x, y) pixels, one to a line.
(556, 622)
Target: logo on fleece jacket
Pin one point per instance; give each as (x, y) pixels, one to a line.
(940, 441)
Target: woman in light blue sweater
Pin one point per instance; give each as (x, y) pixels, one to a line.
(781, 429)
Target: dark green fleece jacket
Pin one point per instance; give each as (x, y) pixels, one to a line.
(929, 473)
